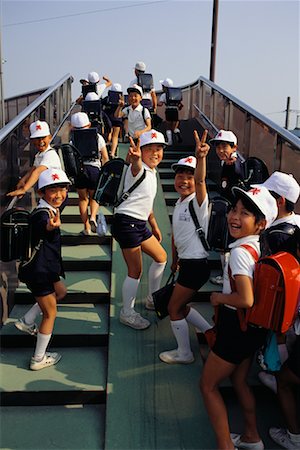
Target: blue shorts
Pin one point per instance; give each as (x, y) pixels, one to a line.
(88, 179)
(233, 344)
(193, 273)
(128, 231)
(44, 287)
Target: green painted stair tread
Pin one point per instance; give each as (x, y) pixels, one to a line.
(72, 319)
(80, 369)
(72, 427)
(76, 228)
(95, 252)
(82, 282)
(74, 211)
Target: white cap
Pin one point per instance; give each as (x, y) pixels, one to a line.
(140, 65)
(83, 80)
(80, 120)
(261, 198)
(135, 88)
(282, 184)
(93, 77)
(224, 136)
(39, 129)
(167, 82)
(52, 176)
(152, 137)
(90, 96)
(116, 87)
(186, 163)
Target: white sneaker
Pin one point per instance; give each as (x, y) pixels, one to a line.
(49, 360)
(217, 280)
(149, 303)
(268, 380)
(173, 357)
(281, 437)
(236, 439)
(30, 329)
(134, 320)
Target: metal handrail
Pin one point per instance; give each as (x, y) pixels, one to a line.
(8, 128)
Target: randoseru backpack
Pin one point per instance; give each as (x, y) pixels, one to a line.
(276, 284)
(73, 162)
(111, 183)
(255, 172)
(217, 235)
(145, 80)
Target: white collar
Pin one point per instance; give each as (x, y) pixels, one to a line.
(252, 239)
(43, 204)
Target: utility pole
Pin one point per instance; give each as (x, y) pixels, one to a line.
(287, 116)
(213, 49)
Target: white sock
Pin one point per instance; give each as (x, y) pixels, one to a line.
(283, 353)
(129, 290)
(41, 346)
(180, 329)
(198, 321)
(31, 314)
(155, 274)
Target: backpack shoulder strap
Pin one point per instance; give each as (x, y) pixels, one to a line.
(251, 250)
(127, 193)
(199, 229)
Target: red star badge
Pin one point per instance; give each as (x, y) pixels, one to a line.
(255, 191)
(153, 135)
(55, 176)
(188, 160)
(38, 127)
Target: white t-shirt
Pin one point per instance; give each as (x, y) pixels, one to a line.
(240, 261)
(163, 98)
(186, 239)
(146, 95)
(100, 88)
(140, 202)
(135, 117)
(48, 158)
(293, 219)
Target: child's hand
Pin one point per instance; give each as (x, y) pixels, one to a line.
(137, 134)
(121, 101)
(230, 159)
(17, 193)
(134, 152)
(54, 220)
(214, 298)
(201, 148)
(157, 233)
(105, 78)
(174, 267)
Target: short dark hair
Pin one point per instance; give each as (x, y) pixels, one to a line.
(249, 205)
(289, 206)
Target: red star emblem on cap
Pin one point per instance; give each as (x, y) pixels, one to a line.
(255, 191)
(220, 134)
(153, 135)
(188, 160)
(55, 176)
(38, 127)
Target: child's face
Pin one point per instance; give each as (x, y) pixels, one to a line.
(134, 99)
(224, 151)
(184, 183)
(152, 154)
(42, 143)
(55, 195)
(241, 222)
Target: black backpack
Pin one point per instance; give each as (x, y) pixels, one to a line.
(145, 80)
(283, 237)
(217, 235)
(73, 162)
(173, 96)
(111, 183)
(16, 234)
(255, 171)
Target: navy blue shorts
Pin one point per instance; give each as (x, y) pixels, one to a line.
(128, 231)
(193, 273)
(233, 344)
(44, 287)
(88, 179)
(293, 361)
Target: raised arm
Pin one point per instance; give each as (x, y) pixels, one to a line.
(201, 151)
(135, 157)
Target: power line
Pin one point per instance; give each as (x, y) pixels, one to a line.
(82, 13)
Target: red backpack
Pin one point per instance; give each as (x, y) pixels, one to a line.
(276, 292)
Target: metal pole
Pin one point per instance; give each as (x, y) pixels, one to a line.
(213, 49)
(287, 116)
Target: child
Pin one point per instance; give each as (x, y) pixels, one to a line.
(43, 279)
(225, 143)
(232, 353)
(188, 250)
(149, 99)
(45, 158)
(86, 183)
(116, 122)
(130, 230)
(138, 116)
(94, 78)
(171, 113)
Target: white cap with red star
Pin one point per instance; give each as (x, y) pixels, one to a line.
(185, 163)
(39, 129)
(50, 177)
(224, 136)
(152, 137)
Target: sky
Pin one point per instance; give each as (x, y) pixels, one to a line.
(257, 57)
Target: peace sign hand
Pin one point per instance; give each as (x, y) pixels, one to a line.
(201, 148)
(54, 220)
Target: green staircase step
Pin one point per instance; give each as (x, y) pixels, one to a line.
(71, 213)
(87, 257)
(53, 427)
(79, 377)
(75, 325)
